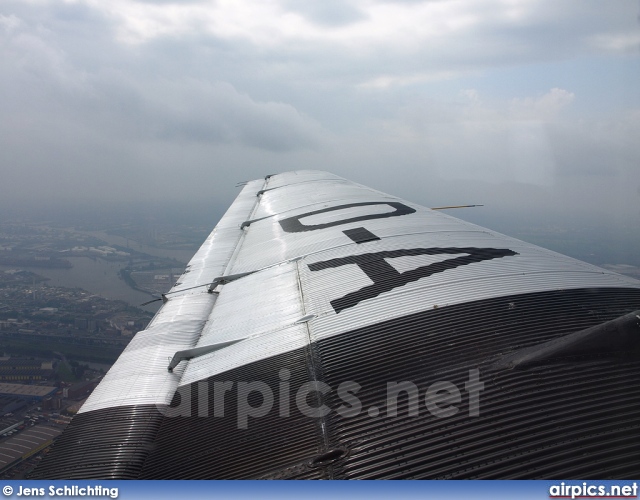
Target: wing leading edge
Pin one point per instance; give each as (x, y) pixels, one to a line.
(348, 334)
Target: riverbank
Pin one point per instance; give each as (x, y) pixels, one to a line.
(98, 277)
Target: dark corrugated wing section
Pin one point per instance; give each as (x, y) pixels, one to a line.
(198, 447)
(104, 444)
(574, 417)
(571, 418)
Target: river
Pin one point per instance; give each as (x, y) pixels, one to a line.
(101, 277)
(183, 256)
(96, 276)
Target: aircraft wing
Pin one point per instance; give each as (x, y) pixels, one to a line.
(328, 330)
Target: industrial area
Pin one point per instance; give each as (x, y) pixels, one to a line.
(33, 416)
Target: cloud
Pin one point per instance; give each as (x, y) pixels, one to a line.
(544, 107)
(327, 13)
(487, 140)
(9, 23)
(134, 104)
(618, 42)
(408, 38)
(156, 99)
(87, 125)
(215, 112)
(534, 146)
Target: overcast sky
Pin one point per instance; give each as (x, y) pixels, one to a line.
(530, 105)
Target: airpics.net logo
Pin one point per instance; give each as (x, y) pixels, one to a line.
(256, 399)
(586, 490)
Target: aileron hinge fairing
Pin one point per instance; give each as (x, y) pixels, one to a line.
(196, 352)
(247, 223)
(223, 280)
(163, 298)
(305, 319)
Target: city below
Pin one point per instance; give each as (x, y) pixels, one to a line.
(70, 299)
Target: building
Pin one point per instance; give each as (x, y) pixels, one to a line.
(14, 369)
(80, 390)
(25, 444)
(28, 392)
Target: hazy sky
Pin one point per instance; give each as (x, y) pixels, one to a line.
(530, 105)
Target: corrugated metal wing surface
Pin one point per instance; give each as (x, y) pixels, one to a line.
(331, 282)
